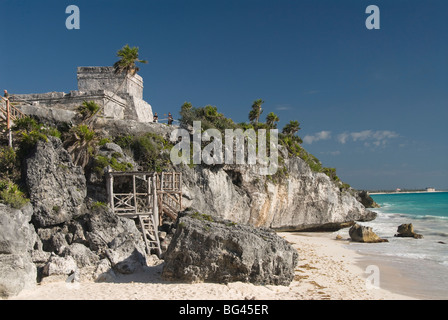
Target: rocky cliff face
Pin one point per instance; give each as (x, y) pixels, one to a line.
(305, 200)
(57, 187)
(17, 238)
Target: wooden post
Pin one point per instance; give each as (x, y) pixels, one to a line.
(110, 189)
(8, 122)
(148, 191)
(134, 189)
(155, 206)
(180, 191)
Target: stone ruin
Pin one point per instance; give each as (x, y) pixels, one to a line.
(119, 95)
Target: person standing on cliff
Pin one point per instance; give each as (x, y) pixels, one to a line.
(170, 118)
(155, 118)
(6, 95)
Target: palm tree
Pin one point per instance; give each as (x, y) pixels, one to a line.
(271, 120)
(128, 59)
(291, 128)
(126, 64)
(254, 114)
(81, 144)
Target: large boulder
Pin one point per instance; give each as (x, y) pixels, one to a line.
(56, 186)
(17, 239)
(365, 234)
(366, 200)
(406, 230)
(209, 249)
(116, 238)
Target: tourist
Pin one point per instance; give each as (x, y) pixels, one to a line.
(170, 118)
(6, 95)
(155, 118)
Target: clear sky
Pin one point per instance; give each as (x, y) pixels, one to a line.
(372, 103)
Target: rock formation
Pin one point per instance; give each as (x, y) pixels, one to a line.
(208, 249)
(366, 199)
(407, 230)
(303, 201)
(57, 188)
(365, 234)
(73, 235)
(17, 239)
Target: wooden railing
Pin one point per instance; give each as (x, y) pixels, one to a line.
(159, 194)
(14, 113)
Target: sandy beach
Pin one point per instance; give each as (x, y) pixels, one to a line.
(326, 271)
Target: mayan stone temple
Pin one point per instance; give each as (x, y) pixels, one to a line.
(120, 97)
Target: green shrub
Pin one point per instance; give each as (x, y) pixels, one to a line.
(11, 194)
(331, 172)
(27, 124)
(54, 133)
(98, 205)
(103, 141)
(8, 160)
(150, 150)
(88, 109)
(101, 162)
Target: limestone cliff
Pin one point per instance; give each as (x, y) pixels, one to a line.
(305, 200)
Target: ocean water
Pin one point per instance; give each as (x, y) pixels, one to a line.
(424, 260)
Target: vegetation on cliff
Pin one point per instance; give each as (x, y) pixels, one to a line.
(212, 119)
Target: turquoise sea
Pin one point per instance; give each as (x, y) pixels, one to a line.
(424, 260)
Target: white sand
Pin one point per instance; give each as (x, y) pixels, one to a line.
(326, 270)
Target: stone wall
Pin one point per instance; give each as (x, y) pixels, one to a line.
(120, 95)
(104, 78)
(63, 106)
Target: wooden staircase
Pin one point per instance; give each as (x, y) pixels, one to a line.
(169, 194)
(8, 114)
(150, 233)
(148, 197)
(14, 112)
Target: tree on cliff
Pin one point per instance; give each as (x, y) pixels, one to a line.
(128, 59)
(271, 120)
(291, 128)
(256, 111)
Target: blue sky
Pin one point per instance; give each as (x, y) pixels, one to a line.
(372, 103)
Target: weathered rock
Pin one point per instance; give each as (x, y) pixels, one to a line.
(60, 266)
(17, 273)
(104, 272)
(57, 187)
(407, 230)
(215, 250)
(124, 255)
(366, 200)
(53, 239)
(17, 235)
(96, 178)
(365, 234)
(116, 238)
(82, 255)
(17, 239)
(304, 200)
